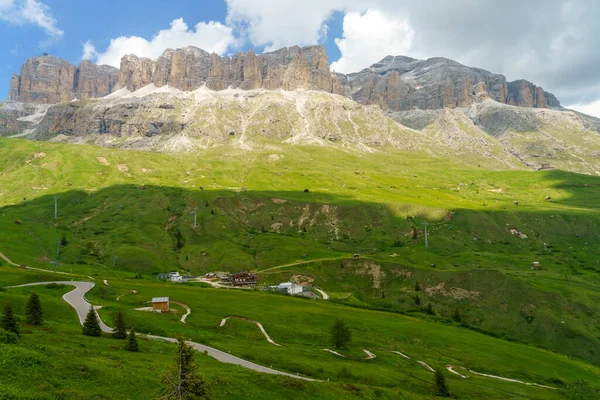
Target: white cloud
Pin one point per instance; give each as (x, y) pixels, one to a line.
(282, 23)
(550, 42)
(89, 51)
(210, 36)
(592, 108)
(21, 12)
(369, 37)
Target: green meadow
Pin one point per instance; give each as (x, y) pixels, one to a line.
(303, 212)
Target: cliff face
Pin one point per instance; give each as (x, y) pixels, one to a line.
(190, 68)
(525, 94)
(403, 83)
(50, 80)
(395, 83)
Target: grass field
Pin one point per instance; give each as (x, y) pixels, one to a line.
(253, 214)
(98, 366)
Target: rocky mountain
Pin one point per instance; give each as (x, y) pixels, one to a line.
(395, 83)
(190, 68)
(403, 83)
(51, 80)
(189, 100)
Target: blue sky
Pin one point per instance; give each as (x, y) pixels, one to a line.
(101, 21)
(553, 43)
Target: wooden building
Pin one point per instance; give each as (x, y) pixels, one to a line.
(160, 304)
(241, 279)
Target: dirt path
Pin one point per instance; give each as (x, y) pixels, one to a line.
(255, 322)
(323, 294)
(451, 368)
(8, 260)
(305, 262)
(369, 355)
(77, 300)
(187, 309)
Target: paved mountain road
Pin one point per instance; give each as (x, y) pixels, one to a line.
(76, 298)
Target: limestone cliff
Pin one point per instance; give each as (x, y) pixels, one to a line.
(395, 83)
(403, 83)
(50, 80)
(190, 68)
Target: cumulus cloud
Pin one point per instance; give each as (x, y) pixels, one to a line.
(22, 12)
(210, 36)
(553, 43)
(89, 51)
(369, 37)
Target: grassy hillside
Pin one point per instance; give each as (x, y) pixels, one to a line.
(99, 368)
(254, 214)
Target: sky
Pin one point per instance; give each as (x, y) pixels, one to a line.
(553, 43)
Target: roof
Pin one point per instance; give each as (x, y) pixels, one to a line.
(160, 299)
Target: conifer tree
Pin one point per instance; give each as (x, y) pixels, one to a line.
(440, 387)
(8, 322)
(91, 326)
(33, 310)
(132, 344)
(417, 300)
(184, 381)
(120, 331)
(417, 286)
(456, 315)
(429, 309)
(340, 334)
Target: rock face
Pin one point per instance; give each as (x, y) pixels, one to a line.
(50, 80)
(403, 83)
(525, 94)
(395, 83)
(94, 80)
(190, 68)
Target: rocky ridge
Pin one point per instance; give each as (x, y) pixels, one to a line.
(51, 80)
(395, 83)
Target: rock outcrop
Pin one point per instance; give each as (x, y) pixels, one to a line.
(395, 83)
(51, 80)
(190, 68)
(523, 93)
(403, 83)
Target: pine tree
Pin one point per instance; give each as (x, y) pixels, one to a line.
(8, 322)
(440, 387)
(429, 309)
(63, 241)
(184, 381)
(340, 334)
(132, 344)
(91, 326)
(417, 300)
(456, 315)
(33, 310)
(120, 331)
(417, 286)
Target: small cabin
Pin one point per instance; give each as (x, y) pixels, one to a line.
(210, 276)
(160, 304)
(356, 255)
(536, 265)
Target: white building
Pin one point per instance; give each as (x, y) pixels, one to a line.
(175, 277)
(290, 288)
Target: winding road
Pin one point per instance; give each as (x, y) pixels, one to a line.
(76, 298)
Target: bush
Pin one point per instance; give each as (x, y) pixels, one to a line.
(7, 337)
(340, 334)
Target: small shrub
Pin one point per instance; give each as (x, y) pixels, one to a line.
(7, 337)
